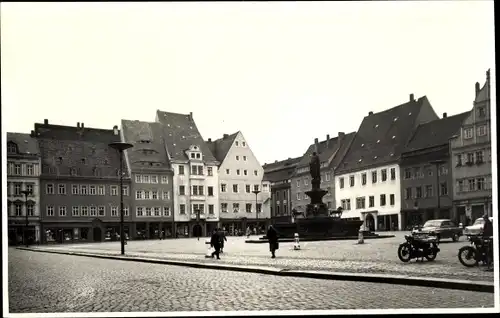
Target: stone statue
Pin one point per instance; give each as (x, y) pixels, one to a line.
(314, 169)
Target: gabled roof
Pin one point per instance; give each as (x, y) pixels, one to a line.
(25, 143)
(435, 133)
(280, 170)
(220, 147)
(484, 93)
(149, 147)
(86, 149)
(180, 132)
(382, 136)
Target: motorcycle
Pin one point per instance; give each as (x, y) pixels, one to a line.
(479, 250)
(417, 247)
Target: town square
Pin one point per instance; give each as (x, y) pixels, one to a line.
(274, 156)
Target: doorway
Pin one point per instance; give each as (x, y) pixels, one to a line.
(97, 234)
(197, 230)
(370, 222)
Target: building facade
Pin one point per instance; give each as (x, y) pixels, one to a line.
(367, 182)
(279, 175)
(242, 192)
(426, 172)
(151, 180)
(472, 165)
(195, 178)
(79, 184)
(23, 173)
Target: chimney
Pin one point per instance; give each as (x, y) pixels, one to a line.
(225, 136)
(316, 145)
(477, 88)
(370, 113)
(445, 115)
(115, 130)
(412, 98)
(81, 126)
(191, 116)
(32, 134)
(209, 139)
(327, 140)
(45, 121)
(78, 125)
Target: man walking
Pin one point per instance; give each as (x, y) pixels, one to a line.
(487, 235)
(272, 237)
(215, 243)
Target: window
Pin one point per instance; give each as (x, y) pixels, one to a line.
(235, 188)
(114, 190)
(384, 175)
(146, 179)
(351, 181)
(247, 188)
(470, 158)
(444, 188)
(223, 207)
(245, 172)
(371, 201)
(363, 179)
(248, 207)
(481, 130)
(182, 209)
(19, 210)
(442, 170)
(154, 195)
(75, 211)
(102, 211)
(236, 143)
(428, 191)
(256, 187)
(139, 211)
(210, 191)
(114, 211)
(392, 199)
(243, 143)
(17, 188)
(156, 211)
(408, 193)
(164, 179)
(238, 172)
(154, 179)
(298, 196)
(92, 190)
(49, 189)
(182, 190)
(93, 211)
(181, 170)
(29, 188)
(298, 183)
(259, 208)
(30, 209)
(210, 171)
(468, 133)
(407, 173)
(29, 170)
(62, 211)
(418, 193)
(393, 173)
(480, 184)
(237, 157)
(75, 189)
(460, 186)
(348, 204)
(255, 172)
(200, 170)
(479, 157)
(341, 182)
(459, 160)
(11, 148)
(101, 190)
(192, 155)
(236, 207)
(138, 195)
(166, 211)
(428, 170)
(50, 210)
(194, 170)
(382, 200)
(61, 189)
(166, 195)
(223, 187)
(227, 171)
(306, 181)
(17, 169)
(472, 184)
(83, 190)
(244, 158)
(146, 195)
(418, 173)
(194, 191)
(374, 176)
(360, 203)
(84, 211)
(125, 211)
(125, 190)
(211, 209)
(148, 211)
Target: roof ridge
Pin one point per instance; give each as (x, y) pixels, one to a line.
(416, 100)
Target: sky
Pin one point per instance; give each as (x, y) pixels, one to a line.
(282, 73)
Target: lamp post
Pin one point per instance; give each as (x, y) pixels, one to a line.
(197, 211)
(121, 146)
(26, 193)
(438, 163)
(256, 192)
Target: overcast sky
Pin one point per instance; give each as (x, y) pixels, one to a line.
(282, 73)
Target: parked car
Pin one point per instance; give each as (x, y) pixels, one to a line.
(476, 228)
(442, 229)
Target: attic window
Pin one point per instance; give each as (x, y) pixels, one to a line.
(362, 145)
(393, 137)
(243, 144)
(360, 160)
(12, 147)
(198, 156)
(192, 155)
(409, 114)
(392, 154)
(375, 157)
(376, 126)
(236, 143)
(378, 141)
(395, 118)
(195, 148)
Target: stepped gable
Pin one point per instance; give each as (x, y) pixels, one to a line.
(220, 147)
(179, 133)
(149, 147)
(280, 170)
(382, 136)
(78, 151)
(435, 133)
(26, 144)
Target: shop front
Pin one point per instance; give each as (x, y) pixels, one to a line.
(388, 222)
(18, 233)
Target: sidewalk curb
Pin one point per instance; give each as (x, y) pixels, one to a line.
(485, 287)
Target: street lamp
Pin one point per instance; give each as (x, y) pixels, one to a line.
(438, 163)
(121, 146)
(197, 211)
(256, 192)
(26, 193)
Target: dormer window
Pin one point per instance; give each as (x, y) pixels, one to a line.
(378, 141)
(376, 126)
(393, 137)
(192, 155)
(195, 147)
(360, 160)
(198, 156)
(362, 145)
(409, 114)
(391, 154)
(395, 118)
(375, 157)
(11, 147)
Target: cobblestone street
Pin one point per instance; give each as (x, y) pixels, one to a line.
(374, 256)
(43, 282)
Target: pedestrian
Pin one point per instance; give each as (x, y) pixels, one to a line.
(272, 237)
(248, 232)
(222, 238)
(487, 234)
(215, 243)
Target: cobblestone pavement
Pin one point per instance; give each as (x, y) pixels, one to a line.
(43, 282)
(374, 256)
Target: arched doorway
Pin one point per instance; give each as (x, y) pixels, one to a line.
(197, 230)
(97, 234)
(370, 222)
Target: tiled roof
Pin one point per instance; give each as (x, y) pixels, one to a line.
(280, 170)
(180, 132)
(85, 149)
(220, 147)
(382, 136)
(435, 133)
(149, 147)
(25, 143)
